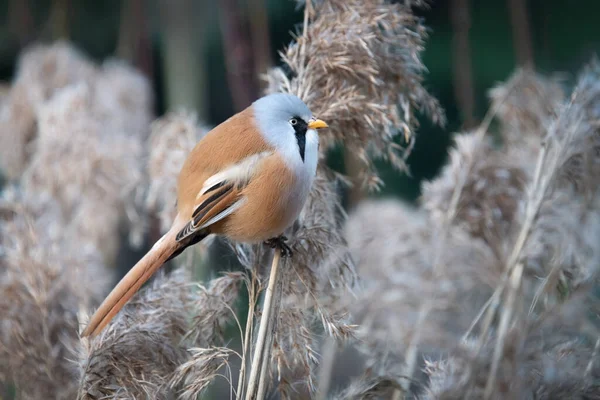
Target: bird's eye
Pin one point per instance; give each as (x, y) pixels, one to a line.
(293, 121)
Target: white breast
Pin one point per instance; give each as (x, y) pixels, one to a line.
(305, 171)
(311, 155)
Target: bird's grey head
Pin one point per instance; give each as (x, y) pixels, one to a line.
(284, 120)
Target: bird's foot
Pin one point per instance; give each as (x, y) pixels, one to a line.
(279, 242)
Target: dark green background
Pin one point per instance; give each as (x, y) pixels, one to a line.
(564, 36)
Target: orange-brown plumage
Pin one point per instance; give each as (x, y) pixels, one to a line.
(233, 140)
(247, 179)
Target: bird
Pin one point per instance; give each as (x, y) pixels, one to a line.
(247, 180)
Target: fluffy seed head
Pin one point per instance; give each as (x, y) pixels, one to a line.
(173, 136)
(357, 65)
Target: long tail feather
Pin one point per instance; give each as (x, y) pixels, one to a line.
(162, 251)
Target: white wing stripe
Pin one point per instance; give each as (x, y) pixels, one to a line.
(229, 210)
(239, 172)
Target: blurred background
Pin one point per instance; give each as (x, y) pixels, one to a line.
(206, 55)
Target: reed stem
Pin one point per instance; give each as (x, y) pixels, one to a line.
(247, 336)
(263, 329)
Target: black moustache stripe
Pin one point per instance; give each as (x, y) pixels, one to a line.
(300, 130)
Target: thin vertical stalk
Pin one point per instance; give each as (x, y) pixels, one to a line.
(505, 320)
(261, 39)
(263, 328)
(397, 394)
(440, 241)
(20, 21)
(238, 55)
(521, 32)
(247, 336)
(265, 365)
(182, 47)
(133, 43)
(546, 168)
(326, 367)
(461, 56)
(353, 167)
(59, 19)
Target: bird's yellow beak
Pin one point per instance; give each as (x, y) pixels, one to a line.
(315, 123)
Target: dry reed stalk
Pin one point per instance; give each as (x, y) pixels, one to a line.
(566, 142)
(544, 358)
(309, 293)
(138, 353)
(493, 198)
(326, 368)
(440, 242)
(215, 310)
(350, 59)
(265, 362)
(545, 241)
(167, 341)
(360, 58)
(557, 263)
(45, 280)
(265, 320)
(252, 300)
(397, 277)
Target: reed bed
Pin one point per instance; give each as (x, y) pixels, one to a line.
(483, 289)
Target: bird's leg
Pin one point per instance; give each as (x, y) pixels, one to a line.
(279, 242)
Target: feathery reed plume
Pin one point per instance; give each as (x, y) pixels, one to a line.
(44, 281)
(579, 162)
(560, 240)
(216, 309)
(369, 387)
(395, 266)
(159, 344)
(138, 353)
(123, 98)
(172, 137)
(17, 128)
(490, 197)
(89, 170)
(41, 72)
(75, 131)
(46, 69)
(525, 104)
(522, 232)
(88, 151)
(198, 373)
(552, 357)
(215, 305)
(562, 248)
(569, 141)
(358, 65)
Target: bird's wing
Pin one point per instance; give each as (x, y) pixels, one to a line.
(221, 195)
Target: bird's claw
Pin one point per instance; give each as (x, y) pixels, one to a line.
(280, 243)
